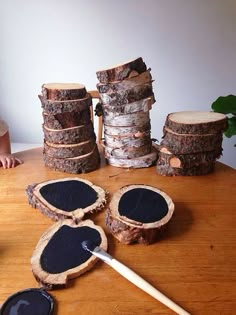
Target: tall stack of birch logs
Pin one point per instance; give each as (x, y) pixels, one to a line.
(191, 143)
(127, 96)
(69, 138)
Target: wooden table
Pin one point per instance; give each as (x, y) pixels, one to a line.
(194, 264)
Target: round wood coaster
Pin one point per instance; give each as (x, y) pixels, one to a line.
(69, 198)
(28, 302)
(59, 255)
(138, 213)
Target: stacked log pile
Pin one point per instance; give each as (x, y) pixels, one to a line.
(191, 143)
(127, 96)
(69, 138)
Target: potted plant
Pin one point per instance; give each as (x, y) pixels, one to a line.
(227, 105)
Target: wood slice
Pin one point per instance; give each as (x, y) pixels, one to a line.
(59, 256)
(128, 120)
(196, 122)
(120, 141)
(69, 135)
(57, 107)
(195, 170)
(138, 106)
(66, 198)
(140, 162)
(67, 120)
(62, 151)
(122, 97)
(81, 164)
(63, 91)
(138, 213)
(128, 152)
(187, 160)
(128, 131)
(142, 78)
(188, 143)
(129, 69)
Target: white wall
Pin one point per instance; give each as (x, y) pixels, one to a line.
(189, 44)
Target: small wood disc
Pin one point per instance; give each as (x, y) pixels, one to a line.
(138, 213)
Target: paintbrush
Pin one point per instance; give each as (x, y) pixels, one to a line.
(132, 276)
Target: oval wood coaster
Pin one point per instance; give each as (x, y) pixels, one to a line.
(28, 302)
(59, 255)
(138, 213)
(66, 198)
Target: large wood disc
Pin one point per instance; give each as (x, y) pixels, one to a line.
(59, 256)
(69, 198)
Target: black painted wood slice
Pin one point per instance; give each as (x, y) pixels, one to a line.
(27, 302)
(59, 255)
(71, 198)
(138, 213)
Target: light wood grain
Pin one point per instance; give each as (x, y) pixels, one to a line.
(194, 264)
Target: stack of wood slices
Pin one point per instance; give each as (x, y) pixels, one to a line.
(69, 138)
(191, 143)
(127, 96)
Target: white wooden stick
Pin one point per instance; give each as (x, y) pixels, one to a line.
(145, 286)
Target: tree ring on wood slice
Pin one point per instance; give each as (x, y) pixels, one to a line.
(75, 165)
(142, 78)
(144, 105)
(134, 94)
(59, 255)
(25, 302)
(71, 135)
(57, 107)
(67, 119)
(62, 151)
(129, 131)
(123, 71)
(128, 120)
(195, 170)
(71, 198)
(138, 162)
(138, 213)
(196, 122)
(63, 91)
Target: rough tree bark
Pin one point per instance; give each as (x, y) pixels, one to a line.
(63, 91)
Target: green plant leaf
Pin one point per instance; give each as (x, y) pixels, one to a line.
(231, 130)
(225, 104)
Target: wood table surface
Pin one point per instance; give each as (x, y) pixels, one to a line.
(194, 263)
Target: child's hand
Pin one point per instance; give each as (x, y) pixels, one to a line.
(9, 161)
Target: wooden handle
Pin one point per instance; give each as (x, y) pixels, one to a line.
(145, 286)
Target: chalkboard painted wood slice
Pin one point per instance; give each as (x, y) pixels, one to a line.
(59, 256)
(123, 71)
(70, 135)
(63, 151)
(65, 198)
(196, 122)
(142, 78)
(63, 91)
(25, 302)
(67, 119)
(58, 107)
(138, 162)
(139, 214)
(127, 96)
